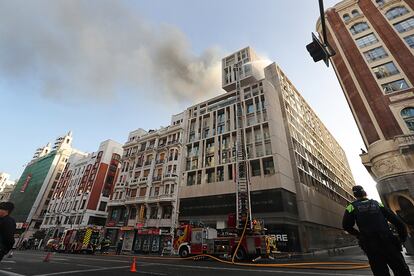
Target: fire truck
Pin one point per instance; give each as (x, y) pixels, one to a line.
(248, 236)
(194, 240)
(83, 240)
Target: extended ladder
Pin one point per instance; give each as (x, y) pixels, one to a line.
(242, 169)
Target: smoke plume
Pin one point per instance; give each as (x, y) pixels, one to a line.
(71, 50)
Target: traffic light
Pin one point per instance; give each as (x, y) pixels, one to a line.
(318, 51)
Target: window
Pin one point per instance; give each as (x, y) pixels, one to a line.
(396, 12)
(375, 54)
(408, 115)
(405, 25)
(410, 40)
(346, 17)
(359, 28)
(102, 206)
(255, 165)
(394, 86)
(133, 213)
(268, 166)
(355, 13)
(385, 70)
(191, 179)
(210, 176)
(166, 212)
(153, 212)
(250, 108)
(142, 191)
(366, 40)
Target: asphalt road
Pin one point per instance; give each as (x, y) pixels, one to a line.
(25, 263)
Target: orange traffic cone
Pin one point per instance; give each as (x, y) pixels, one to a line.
(47, 258)
(133, 265)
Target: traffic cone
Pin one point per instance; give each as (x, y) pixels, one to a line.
(47, 258)
(133, 265)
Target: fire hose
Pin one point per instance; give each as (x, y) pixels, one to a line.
(297, 265)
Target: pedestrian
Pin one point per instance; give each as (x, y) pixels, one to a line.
(382, 248)
(119, 246)
(7, 228)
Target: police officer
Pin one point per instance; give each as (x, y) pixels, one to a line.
(383, 249)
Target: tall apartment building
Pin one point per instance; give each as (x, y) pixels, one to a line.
(6, 192)
(5, 181)
(374, 44)
(143, 207)
(81, 196)
(300, 177)
(34, 189)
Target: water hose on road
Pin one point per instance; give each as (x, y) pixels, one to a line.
(301, 265)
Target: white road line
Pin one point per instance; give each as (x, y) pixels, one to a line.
(10, 262)
(294, 271)
(9, 273)
(81, 271)
(81, 258)
(96, 269)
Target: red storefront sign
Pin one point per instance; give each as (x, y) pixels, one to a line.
(26, 183)
(140, 225)
(110, 224)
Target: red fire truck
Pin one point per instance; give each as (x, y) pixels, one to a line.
(193, 240)
(79, 240)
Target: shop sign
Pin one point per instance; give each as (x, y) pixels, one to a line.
(127, 228)
(154, 231)
(110, 223)
(26, 183)
(140, 225)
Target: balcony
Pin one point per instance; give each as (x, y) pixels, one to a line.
(158, 223)
(134, 181)
(156, 178)
(170, 176)
(147, 163)
(166, 197)
(404, 142)
(143, 180)
(170, 143)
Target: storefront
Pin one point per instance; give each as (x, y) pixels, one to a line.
(128, 234)
(151, 241)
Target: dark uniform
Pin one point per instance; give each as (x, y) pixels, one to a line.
(383, 249)
(7, 229)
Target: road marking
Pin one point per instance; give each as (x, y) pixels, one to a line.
(11, 262)
(93, 270)
(81, 271)
(82, 258)
(9, 273)
(260, 270)
(295, 271)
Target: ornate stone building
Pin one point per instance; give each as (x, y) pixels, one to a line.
(374, 62)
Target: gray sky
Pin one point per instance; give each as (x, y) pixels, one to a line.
(104, 68)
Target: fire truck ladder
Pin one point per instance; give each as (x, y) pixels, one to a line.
(242, 171)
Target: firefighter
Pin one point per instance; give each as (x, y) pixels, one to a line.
(105, 244)
(382, 248)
